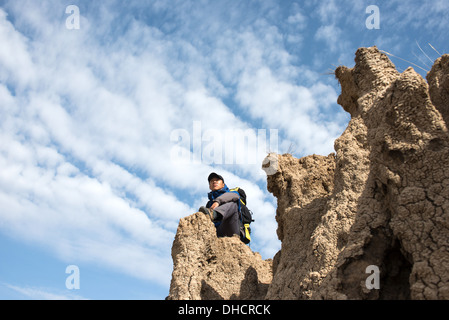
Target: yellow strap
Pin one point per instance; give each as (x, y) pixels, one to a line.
(247, 235)
(237, 189)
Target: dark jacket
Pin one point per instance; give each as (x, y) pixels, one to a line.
(222, 196)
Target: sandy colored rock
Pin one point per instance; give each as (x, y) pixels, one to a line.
(211, 268)
(438, 79)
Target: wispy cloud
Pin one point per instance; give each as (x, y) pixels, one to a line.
(34, 293)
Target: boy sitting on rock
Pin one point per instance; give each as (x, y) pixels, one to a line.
(222, 207)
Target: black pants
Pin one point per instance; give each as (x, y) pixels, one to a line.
(230, 222)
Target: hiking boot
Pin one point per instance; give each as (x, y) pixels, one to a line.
(209, 212)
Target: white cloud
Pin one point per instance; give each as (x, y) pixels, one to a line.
(331, 35)
(416, 14)
(33, 293)
(299, 20)
(14, 57)
(289, 108)
(328, 11)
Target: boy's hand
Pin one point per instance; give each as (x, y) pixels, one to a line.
(214, 205)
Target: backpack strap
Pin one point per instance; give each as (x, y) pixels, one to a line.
(236, 190)
(240, 202)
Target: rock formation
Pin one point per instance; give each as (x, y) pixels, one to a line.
(211, 268)
(381, 200)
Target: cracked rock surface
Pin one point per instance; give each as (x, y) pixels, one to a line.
(211, 268)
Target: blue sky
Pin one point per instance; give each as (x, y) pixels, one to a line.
(109, 131)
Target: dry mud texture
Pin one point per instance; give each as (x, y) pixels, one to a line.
(382, 199)
(211, 268)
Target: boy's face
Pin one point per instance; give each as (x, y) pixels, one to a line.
(216, 184)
